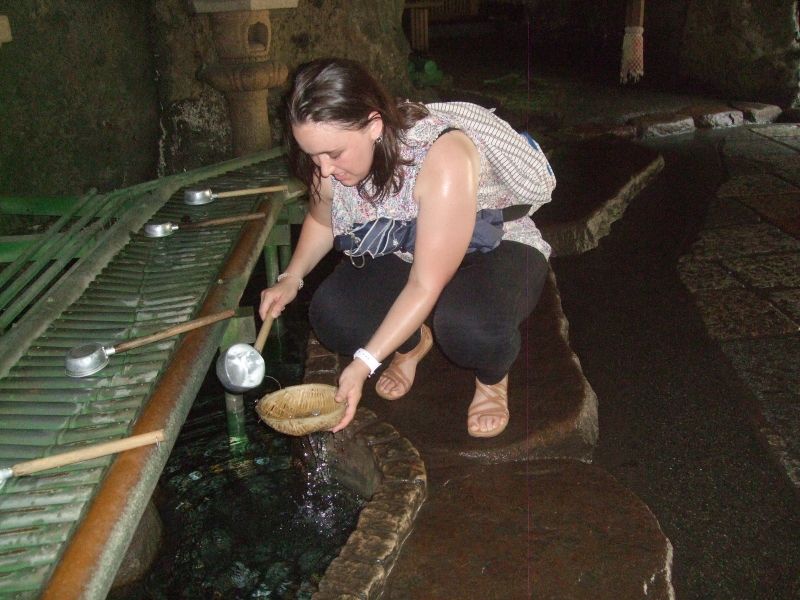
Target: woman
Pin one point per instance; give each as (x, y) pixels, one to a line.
(414, 197)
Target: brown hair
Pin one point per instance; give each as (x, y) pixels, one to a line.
(341, 91)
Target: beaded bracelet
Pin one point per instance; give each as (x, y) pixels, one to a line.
(283, 276)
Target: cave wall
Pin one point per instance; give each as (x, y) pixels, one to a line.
(736, 49)
(105, 94)
(745, 49)
(194, 115)
(93, 98)
(78, 100)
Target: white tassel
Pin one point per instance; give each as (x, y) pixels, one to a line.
(632, 67)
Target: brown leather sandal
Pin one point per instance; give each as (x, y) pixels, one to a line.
(489, 401)
(394, 375)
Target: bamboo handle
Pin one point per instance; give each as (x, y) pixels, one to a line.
(175, 330)
(68, 458)
(634, 13)
(263, 333)
(224, 220)
(261, 190)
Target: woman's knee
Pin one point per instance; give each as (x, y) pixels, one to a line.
(475, 343)
(326, 315)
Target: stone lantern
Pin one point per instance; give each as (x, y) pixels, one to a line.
(242, 33)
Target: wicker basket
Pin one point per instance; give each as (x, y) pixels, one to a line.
(301, 409)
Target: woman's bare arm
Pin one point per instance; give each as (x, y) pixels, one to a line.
(446, 191)
(316, 240)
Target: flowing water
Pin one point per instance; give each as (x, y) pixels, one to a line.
(241, 518)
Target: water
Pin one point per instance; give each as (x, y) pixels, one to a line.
(243, 522)
(241, 518)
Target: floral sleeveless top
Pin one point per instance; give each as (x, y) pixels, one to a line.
(349, 209)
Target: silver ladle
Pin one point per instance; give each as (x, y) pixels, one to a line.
(241, 367)
(196, 197)
(87, 359)
(156, 230)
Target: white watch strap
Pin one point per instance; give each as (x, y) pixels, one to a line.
(369, 360)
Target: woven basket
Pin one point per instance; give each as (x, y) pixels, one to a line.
(301, 409)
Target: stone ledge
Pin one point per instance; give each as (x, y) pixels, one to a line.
(662, 124)
(599, 178)
(549, 529)
(757, 112)
(552, 406)
(371, 457)
(714, 116)
(707, 116)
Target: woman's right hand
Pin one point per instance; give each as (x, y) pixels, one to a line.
(275, 298)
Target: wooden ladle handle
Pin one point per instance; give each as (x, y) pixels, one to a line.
(263, 333)
(224, 220)
(175, 330)
(259, 190)
(87, 453)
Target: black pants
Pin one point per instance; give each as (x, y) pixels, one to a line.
(475, 321)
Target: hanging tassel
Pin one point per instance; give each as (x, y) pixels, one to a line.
(632, 66)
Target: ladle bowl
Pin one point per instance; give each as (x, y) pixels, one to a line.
(157, 230)
(87, 359)
(197, 197)
(241, 367)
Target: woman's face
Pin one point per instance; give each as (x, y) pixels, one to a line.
(344, 154)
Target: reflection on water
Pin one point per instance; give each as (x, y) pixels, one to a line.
(240, 519)
(243, 524)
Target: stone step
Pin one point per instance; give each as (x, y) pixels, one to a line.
(544, 528)
(518, 515)
(596, 180)
(553, 408)
(550, 529)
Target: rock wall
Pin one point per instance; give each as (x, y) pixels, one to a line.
(195, 126)
(747, 50)
(105, 98)
(735, 48)
(78, 103)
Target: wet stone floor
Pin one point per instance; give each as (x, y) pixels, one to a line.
(673, 419)
(666, 318)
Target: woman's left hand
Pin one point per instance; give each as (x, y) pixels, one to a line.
(351, 385)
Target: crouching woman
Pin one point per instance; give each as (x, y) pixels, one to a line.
(430, 205)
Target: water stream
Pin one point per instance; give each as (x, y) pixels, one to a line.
(243, 519)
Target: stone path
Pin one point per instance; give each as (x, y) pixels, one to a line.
(526, 515)
(494, 527)
(744, 273)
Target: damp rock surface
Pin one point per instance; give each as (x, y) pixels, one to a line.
(550, 529)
